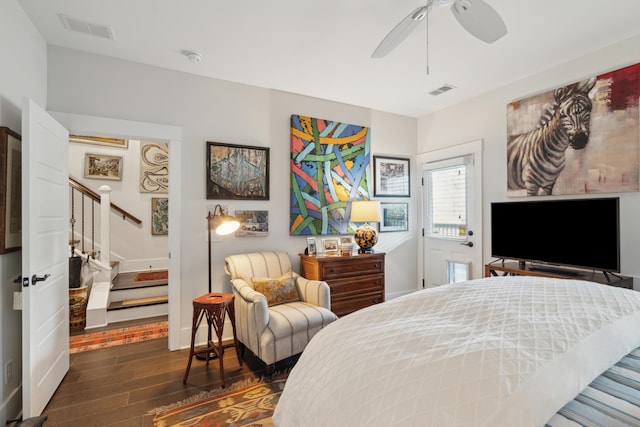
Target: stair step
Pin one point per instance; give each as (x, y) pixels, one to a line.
(133, 281)
(138, 302)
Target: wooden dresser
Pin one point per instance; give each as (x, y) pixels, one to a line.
(356, 281)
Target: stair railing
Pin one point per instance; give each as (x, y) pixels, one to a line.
(82, 192)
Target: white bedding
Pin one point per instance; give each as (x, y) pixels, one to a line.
(505, 351)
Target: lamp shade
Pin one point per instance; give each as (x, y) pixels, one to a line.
(365, 211)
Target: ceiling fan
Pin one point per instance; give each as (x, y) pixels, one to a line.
(475, 16)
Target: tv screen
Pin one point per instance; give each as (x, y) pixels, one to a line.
(580, 233)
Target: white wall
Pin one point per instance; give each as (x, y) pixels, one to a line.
(214, 110)
(24, 73)
(485, 118)
(131, 244)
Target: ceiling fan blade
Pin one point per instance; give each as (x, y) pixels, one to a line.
(400, 32)
(479, 19)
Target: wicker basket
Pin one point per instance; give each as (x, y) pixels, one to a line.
(78, 307)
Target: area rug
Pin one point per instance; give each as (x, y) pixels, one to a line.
(151, 275)
(118, 336)
(149, 300)
(244, 404)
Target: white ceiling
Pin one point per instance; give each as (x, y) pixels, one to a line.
(322, 48)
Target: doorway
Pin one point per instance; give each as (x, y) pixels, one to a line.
(90, 125)
(452, 214)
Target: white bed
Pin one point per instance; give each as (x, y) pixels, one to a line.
(504, 351)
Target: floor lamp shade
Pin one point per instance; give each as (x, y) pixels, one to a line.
(365, 211)
(222, 224)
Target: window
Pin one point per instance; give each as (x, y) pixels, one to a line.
(447, 205)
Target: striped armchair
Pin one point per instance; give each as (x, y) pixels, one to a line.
(276, 330)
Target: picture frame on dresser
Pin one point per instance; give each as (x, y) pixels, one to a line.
(330, 245)
(311, 246)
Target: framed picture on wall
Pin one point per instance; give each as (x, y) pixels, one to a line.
(159, 216)
(10, 191)
(237, 172)
(395, 217)
(391, 177)
(99, 140)
(103, 166)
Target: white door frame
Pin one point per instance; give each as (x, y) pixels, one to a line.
(91, 125)
(469, 148)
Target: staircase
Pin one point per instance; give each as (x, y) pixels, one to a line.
(113, 296)
(138, 295)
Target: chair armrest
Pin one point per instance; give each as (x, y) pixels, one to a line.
(316, 292)
(252, 306)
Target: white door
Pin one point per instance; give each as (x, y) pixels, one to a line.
(452, 214)
(45, 265)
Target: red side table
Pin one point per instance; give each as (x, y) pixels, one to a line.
(214, 307)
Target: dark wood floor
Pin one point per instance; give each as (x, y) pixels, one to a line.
(118, 386)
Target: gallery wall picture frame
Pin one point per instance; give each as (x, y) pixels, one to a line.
(395, 217)
(100, 140)
(103, 166)
(159, 216)
(10, 191)
(237, 172)
(252, 223)
(154, 167)
(391, 177)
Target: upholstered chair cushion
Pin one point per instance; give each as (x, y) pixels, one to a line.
(277, 291)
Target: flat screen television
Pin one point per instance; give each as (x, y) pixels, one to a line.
(583, 233)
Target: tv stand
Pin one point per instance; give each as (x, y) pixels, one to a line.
(513, 268)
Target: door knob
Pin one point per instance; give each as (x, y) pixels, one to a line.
(470, 244)
(35, 279)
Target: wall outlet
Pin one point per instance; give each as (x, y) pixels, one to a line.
(8, 372)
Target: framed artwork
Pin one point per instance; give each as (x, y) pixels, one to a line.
(395, 217)
(311, 246)
(346, 240)
(99, 140)
(103, 166)
(330, 167)
(330, 245)
(159, 216)
(237, 172)
(252, 223)
(391, 177)
(585, 136)
(10, 191)
(154, 167)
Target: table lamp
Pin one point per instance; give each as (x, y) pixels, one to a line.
(365, 211)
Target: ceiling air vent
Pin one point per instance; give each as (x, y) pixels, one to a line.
(84, 27)
(442, 89)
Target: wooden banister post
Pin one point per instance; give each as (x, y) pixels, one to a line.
(105, 246)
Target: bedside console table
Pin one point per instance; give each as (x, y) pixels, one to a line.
(356, 281)
(512, 268)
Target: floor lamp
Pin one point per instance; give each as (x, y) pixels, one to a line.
(222, 224)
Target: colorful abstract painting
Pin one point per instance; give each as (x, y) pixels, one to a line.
(576, 139)
(329, 169)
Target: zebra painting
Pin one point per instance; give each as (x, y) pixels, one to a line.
(536, 158)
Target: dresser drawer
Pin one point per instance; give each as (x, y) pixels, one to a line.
(358, 267)
(356, 285)
(342, 307)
